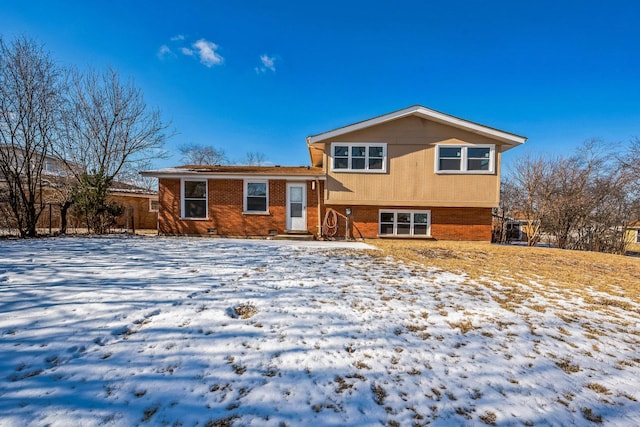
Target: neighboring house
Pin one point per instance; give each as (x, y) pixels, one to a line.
(513, 227)
(632, 238)
(505, 229)
(140, 205)
(415, 172)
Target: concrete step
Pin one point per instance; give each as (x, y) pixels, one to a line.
(294, 235)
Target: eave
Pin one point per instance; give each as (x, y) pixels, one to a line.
(271, 173)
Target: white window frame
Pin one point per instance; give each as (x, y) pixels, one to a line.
(183, 199)
(245, 195)
(151, 209)
(367, 145)
(464, 159)
(637, 239)
(395, 222)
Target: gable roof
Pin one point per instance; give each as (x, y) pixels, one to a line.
(510, 140)
(426, 113)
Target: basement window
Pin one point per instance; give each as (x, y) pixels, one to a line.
(404, 223)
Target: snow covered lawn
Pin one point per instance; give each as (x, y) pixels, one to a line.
(186, 332)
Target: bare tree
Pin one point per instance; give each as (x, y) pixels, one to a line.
(613, 209)
(256, 158)
(590, 201)
(585, 201)
(504, 213)
(108, 128)
(30, 91)
(530, 176)
(196, 154)
(131, 175)
(571, 198)
(60, 192)
(630, 162)
(631, 158)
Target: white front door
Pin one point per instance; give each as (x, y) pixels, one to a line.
(296, 206)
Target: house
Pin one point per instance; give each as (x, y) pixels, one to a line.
(140, 205)
(513, 227)
(239, 200)
(632, 238)
(412, 173)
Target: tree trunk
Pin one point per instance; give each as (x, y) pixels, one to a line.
(64, 208)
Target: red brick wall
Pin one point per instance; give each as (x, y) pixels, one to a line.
(142, 217)
(169, 208)
(226, 203)
(312, 205)
(446, 223)
(461, 224)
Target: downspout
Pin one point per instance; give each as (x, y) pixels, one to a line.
(319, 197)
(319, 209)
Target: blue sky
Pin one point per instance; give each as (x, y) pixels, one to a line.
(261, 76)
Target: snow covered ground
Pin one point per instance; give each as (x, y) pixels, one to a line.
(147, 331)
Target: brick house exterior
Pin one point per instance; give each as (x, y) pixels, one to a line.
(412, 173)
(224, 193)
(466, 224)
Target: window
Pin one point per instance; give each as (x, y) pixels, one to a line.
(153, 205)
(359, 156)
(450, 158)
(256, 196)
(194, 199)
(637, 236)
(464, 159)
(405, 223)
(478, 159)
(514, 231)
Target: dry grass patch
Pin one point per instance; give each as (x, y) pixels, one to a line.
(464, 325)
(379, 393)
(589, 415)
(245, 310)
(598, 388)
(488, 418)
(573, 271)
(342, 385)
(567, 366)
(221, 422)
